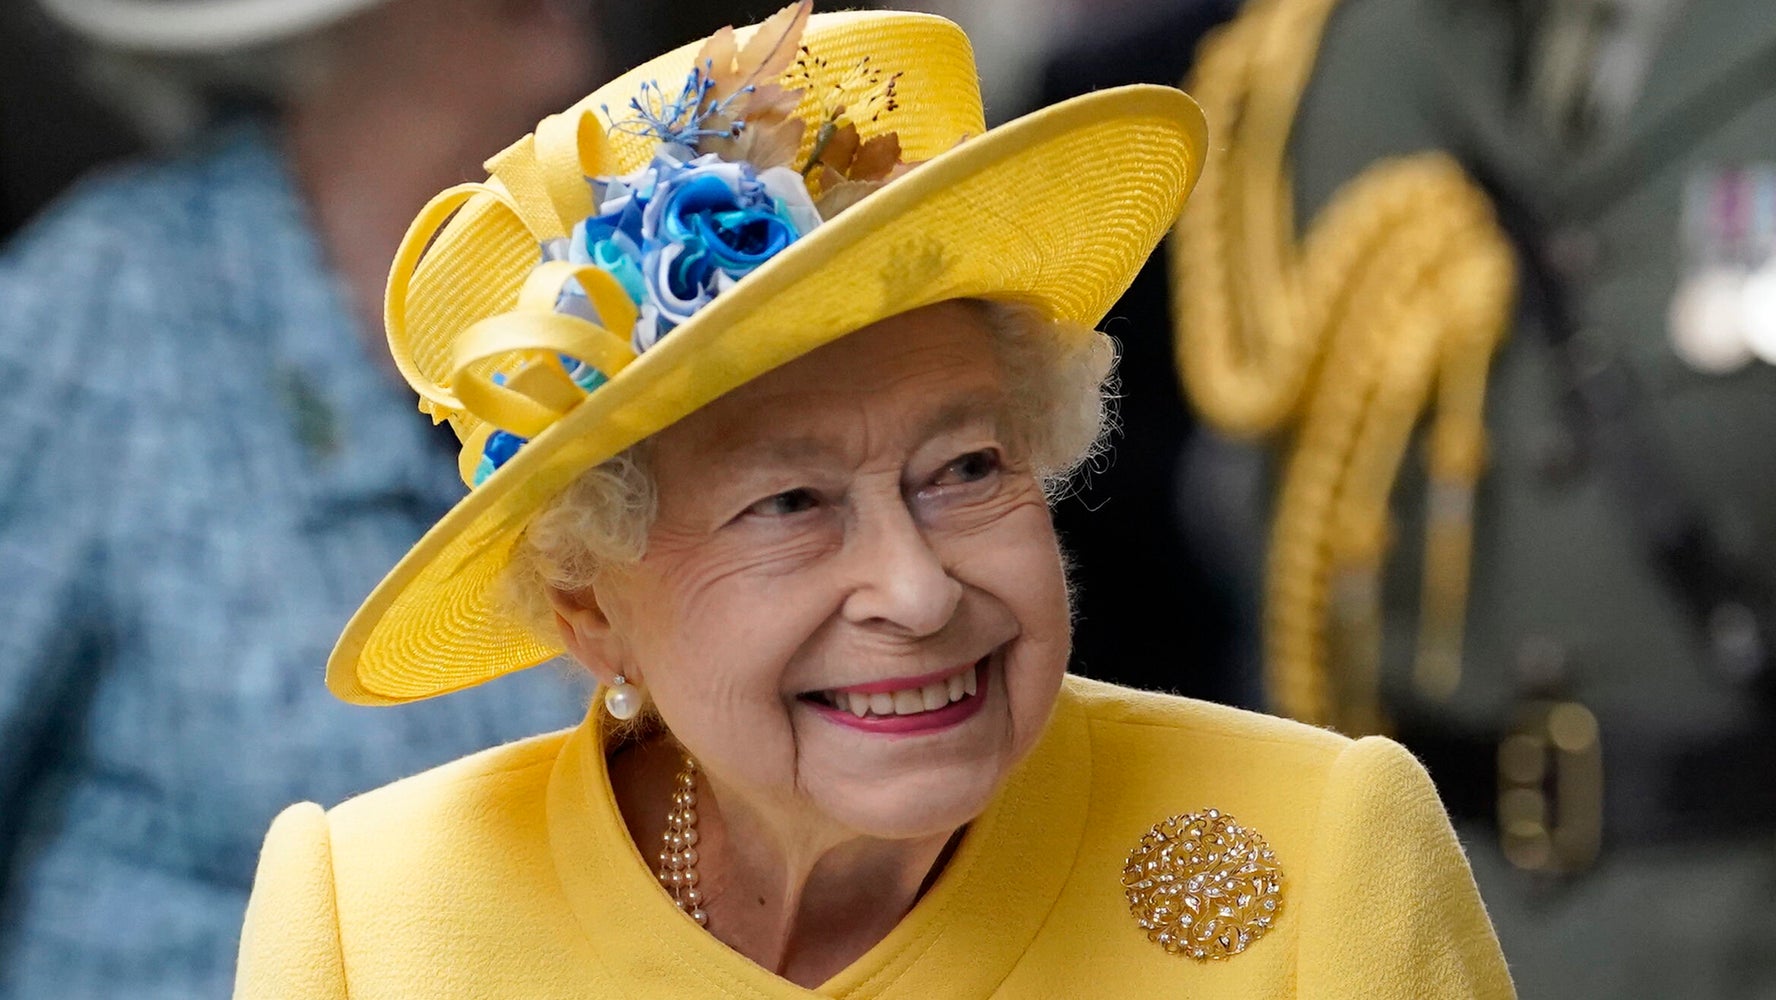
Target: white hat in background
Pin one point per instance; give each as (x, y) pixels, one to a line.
(196, 27)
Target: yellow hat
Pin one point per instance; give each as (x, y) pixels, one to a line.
(1057, 209)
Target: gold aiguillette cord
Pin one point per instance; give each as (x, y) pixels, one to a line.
(1333, 344)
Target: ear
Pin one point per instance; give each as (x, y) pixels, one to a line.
(587, 633)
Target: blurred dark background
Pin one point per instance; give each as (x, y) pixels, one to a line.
(51, 127)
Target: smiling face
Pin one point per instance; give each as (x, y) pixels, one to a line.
(852, 609)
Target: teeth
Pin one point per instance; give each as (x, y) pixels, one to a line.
(910, 701)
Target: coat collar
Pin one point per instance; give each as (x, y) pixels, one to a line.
(1006, 875)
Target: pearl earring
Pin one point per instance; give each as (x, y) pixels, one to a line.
(622, 699)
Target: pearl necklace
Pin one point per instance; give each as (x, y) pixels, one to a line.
(678, 856)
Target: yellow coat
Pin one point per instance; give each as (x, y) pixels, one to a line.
(510, 874)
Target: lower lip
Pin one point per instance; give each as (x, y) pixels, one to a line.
(921, 724)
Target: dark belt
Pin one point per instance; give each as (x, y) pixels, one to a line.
(1659, 785)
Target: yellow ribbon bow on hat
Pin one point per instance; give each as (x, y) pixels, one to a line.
(505, 372)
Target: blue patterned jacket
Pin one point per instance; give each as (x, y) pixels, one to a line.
(203, 470)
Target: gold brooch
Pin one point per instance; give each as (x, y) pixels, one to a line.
(1202, 885)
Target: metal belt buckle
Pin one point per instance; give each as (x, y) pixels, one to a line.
(1550, 796)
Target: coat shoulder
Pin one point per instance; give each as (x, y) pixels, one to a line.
(484, 798)
(1363, 850)
(1168, 719)
(1157, 755)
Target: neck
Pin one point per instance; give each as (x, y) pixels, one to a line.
(802, 899)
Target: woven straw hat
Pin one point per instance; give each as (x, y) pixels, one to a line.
(192, 27)
(1057, 209)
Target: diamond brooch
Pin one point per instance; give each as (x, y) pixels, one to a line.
(1202, 885)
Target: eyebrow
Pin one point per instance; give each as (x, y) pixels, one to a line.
(959, 411)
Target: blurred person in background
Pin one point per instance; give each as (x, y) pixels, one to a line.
(1548, 230)
(205, 470)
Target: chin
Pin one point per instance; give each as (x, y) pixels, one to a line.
(921, 804)
(926, 783)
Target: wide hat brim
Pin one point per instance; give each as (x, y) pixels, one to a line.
(1058, 209)
(195, 27)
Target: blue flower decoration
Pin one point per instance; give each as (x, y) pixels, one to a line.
(684, 228)
(498, 450)
(675, 234)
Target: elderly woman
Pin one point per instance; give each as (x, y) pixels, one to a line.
(765, 441)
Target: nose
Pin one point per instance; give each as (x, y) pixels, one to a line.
(899, 583)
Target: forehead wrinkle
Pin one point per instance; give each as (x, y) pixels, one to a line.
(748, 445)
(801, 449)
(928, 380)
(962, 410)
(788, 436)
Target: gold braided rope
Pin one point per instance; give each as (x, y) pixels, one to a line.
(1396, 297)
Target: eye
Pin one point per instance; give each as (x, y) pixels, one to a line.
(970, 468)
(784, 504)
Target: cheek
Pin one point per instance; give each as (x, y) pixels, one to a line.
(1017, 560)
(713, 642)
(723, 611)
(1018, 564)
